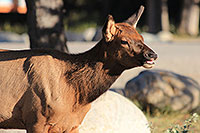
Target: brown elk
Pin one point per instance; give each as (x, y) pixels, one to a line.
(50, 91)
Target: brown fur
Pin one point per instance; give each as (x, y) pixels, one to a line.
(49, 91)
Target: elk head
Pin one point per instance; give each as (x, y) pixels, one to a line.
(125, 45)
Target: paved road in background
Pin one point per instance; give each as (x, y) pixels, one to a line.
(182, 57)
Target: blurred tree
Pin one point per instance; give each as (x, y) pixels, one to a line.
(154, 15)
(165, 16)
(45, 24)
(189, 18)
(96, 11)
(158, 18)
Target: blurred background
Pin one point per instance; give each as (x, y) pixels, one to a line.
(179, 17)
(170, 27)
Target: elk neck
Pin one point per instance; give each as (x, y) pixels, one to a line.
(92, 73)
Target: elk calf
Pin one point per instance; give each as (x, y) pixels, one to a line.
(49, 91)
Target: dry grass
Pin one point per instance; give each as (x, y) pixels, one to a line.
(160, 123)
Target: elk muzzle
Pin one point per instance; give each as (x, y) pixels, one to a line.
(150, 57)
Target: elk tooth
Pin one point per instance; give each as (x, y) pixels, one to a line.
(150, 62)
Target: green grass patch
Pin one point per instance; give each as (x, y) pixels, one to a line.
(80, 27)
(16, 28)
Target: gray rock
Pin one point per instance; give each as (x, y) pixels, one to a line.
(11, 37)
(165, 36)
(161, 89)
(73, 36)
(98, 34)
(149, 37)
(89, 33)
(113, 113)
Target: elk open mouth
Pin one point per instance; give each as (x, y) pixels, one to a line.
(149, 63)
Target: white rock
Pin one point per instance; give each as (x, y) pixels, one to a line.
(113, 113)
(165, 36)
(12, 131)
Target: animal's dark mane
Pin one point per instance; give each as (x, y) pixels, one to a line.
(89, 75)
(89, 82)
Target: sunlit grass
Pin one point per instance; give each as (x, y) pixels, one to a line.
(164, 123)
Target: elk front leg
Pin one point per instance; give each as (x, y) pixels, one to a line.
(73, 130)
(36, 124)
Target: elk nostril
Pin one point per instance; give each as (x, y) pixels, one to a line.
(151, 55)
(155, 56)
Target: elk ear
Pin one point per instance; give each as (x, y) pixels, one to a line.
(109, 29)
(133, 20)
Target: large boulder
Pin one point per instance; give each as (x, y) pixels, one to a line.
(113, 113)
(11, 37)
(160, 89)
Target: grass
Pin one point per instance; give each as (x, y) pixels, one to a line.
(168, 122)
(22, 28)
(80, 27)
(17, 28)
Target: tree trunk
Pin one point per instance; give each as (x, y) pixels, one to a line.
(165, 16)
(165, 34)
(193, 20)
(154, 15)
(189, 18)
(45, 24)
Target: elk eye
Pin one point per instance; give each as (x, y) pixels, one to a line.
(124, 42)
(140, 46)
